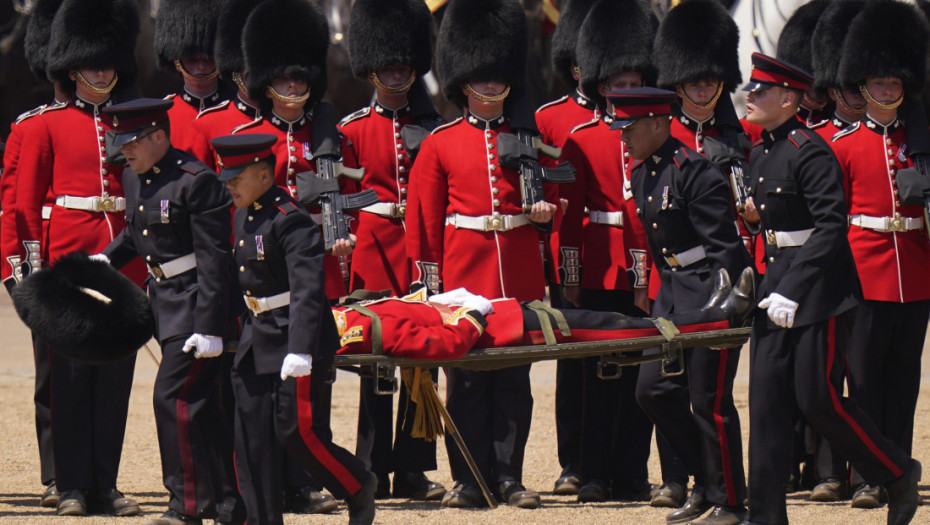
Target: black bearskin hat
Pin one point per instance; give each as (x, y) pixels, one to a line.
(887, 39)
(185, 28)
(480, 39)
(794, 42)
(697, 40)
(93, 33)
(285, 38)
(38, 33)
(566, 36)
(85, 310)
(616, 36)
(385, 32)
(228, 48)
(827, 41)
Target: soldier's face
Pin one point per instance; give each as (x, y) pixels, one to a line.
(767, 108)
(700, 92)
(249, 185)
(394, 76)
(99, 77)
(641, 138)
(620, 81)
(199, 65)
(142, 153)
(885, 90)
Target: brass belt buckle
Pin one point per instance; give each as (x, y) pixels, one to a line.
(107, 204)
(399, 211)
(673, 261)
(770, 237)
(253, 304)
(896, 224)
(157, 272)
(495, 223)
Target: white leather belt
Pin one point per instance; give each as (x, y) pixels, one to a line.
(173, 267)
(264, 304)
(390, 210)
(887, 224)
(488, 223)
(786, 239)
(108, 204)
(46, 213)
(686, 258)
(317, 218)
(610, 218)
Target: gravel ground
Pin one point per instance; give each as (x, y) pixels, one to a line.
(140, 474)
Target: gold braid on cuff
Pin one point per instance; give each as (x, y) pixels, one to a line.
(287, 100)
(868, 96)
(485, 98)
(95, 89)
(403, 88)
(185, 74)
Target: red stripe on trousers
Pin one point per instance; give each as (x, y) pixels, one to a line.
(831, 350)
(184, 441)
(317, 448)
(721, 429)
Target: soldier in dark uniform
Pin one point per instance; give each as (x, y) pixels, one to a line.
(287, 343)
(810, 288)
(178, 222)
(683, 200)
(389, 47)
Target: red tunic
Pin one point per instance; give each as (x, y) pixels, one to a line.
(11, 252)
(218, 121)
(612, 257)
(292, 156)
(63, 153)
(372, 141)
(827, 128)
(892, 265)
(457, 172)
(181, 116)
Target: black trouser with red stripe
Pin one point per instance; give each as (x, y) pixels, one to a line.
(793, 370)
(886, 342)
(190, 428)
(274, 416)
(569, 400)
(43, 402)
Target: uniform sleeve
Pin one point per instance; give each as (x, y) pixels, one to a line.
(426, 216)
(403, 337)
(198, 144)
(33, 179)
(122, 249)
(820, 180)
(639, 260)
(571, 231)
(10, 255)
(211, 230)
(302, 243)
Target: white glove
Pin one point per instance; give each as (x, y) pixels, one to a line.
(296, 365)
(457, 297)
(206, 345)
(99, 257)
(477, 302)
(781, 310)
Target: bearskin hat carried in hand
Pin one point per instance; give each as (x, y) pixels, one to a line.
(886, 39)
(285, 38)
(227, 51)
(483, 39)
(566, 36)
(827, 41)
(385, 32)
(38, 33)
(85, 310)
(616, 36)
(794, 42)
(185, 28)
(93, 33)
(697, 40)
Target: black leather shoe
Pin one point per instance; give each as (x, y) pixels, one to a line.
(693, 508)
(567, 485)
(112, 502)
(722, 287)
(383, 490)
(636, 492)
(173, 517)
(903, 497)
(721, 516)
(830, 489)
(415, 485)
(464, 496)
(362, 503)
(515, 494)
(594, 491)
(72, 503)
(50, 497)
(866, 497)
(670, 495)
(741, 300)
(307, 500)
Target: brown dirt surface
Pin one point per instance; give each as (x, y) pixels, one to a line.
(140, 474)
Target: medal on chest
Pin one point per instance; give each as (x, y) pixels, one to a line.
(259, 248)
(165, 216)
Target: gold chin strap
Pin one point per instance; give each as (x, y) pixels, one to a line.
(709, 105)
(868, 96)
(841, 100)
(185, 74)
(812, 104)
(485, 98)
(403, 88)
(287, 100)
(237, 80)
(95, 89)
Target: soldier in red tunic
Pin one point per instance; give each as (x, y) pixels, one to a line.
(884, 57)
(64, 153)
(389, 46)
(466, 228)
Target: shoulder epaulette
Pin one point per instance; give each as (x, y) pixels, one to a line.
(247, 125)
(583, 125)
(447, 126)
(53, 107)
(683, 155)
(170, 96)
(211, 109)
(848, 130)
(820, 124)
(798, 137)
(286, 207)
(194, 166)
(635, 164)
(31, 113)
(355, 116)
(555, 102)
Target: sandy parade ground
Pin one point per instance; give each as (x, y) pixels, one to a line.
(140, 473)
